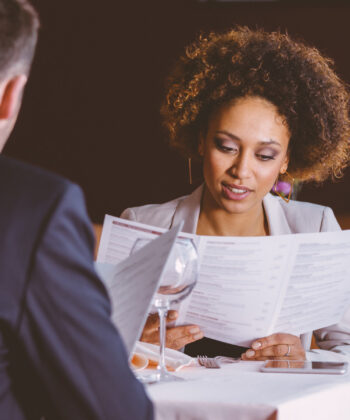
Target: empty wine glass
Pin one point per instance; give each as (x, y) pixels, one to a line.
(179, 278)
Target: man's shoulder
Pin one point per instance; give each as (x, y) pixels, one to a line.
(23, 181)
(30, 191)
(20, 173)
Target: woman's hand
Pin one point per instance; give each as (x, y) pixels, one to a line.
(276, 346)
(176, 337)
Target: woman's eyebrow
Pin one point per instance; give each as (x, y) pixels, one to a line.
(263, 142)
(268, 142)
(232, 136)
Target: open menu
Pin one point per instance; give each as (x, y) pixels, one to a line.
(251, 287)
(125, 279)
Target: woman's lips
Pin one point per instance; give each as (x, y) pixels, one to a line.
(235, 192)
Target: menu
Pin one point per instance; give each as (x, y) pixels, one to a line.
(251, 287)
(142, 270)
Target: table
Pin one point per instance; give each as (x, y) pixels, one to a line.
(241, 392)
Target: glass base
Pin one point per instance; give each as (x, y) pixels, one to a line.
(157, 377)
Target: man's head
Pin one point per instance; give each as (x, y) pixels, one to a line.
(19, 24)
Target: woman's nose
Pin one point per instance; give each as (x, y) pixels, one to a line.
(241, 167)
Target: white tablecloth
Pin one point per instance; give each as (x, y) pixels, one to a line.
(241, 392)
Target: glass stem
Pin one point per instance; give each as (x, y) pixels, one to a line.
(162, 312)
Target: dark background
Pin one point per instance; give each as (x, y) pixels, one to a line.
(91, 109)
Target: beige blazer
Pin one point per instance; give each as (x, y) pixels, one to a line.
(283, 218)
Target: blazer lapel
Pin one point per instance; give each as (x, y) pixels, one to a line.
(276, 218)
(188, 210)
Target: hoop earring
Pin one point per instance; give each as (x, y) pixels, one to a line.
(274, 188)
(190, 170)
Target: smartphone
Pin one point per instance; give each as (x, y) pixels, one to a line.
(305, 366)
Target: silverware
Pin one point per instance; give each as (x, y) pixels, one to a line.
(208, 362)
(216, 362)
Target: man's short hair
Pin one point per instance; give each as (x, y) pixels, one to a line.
(19, 25)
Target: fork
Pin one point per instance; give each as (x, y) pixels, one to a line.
(215, 362)
(208, 362)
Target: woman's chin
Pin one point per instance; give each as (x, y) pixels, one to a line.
(235, 207)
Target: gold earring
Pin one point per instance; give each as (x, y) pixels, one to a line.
(190, 170)
(274, 188)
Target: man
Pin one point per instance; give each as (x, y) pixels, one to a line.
(60, 355)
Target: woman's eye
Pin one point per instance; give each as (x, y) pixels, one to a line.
(265, 157)
(223, 147)
(226, 148)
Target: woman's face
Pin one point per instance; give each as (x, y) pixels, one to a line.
(244, 150)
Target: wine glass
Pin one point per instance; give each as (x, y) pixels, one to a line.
(178, 280)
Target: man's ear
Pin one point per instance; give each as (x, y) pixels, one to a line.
(12, 96)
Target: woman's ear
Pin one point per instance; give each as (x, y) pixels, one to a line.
(11, 96)
(285, 164)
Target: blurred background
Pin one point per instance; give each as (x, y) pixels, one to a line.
(91, 109)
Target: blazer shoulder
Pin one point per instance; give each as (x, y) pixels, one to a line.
(21, 169)
(160, 215)
(304, 217)
(26, 180)
(32, 194)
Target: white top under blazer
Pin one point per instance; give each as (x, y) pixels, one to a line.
(283, 218)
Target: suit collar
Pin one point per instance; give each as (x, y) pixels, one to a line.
(188, 210)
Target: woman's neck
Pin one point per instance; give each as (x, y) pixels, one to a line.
(215, 221)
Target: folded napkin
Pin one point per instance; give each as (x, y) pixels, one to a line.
(174, 359)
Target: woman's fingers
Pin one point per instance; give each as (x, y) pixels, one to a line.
(275, 339)
(176, 337)
(150, 337)
(152, 323)
(281, 346)
(172, 315)
(281, 351)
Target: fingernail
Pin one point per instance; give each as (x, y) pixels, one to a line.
(256, 345)
(250, 353)
(194, 330)
(172, 315)
(198, 336)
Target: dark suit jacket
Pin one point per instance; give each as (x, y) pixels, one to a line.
(60, 355)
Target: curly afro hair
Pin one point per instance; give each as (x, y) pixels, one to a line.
(297, 79)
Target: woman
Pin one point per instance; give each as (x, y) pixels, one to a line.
(255, 107)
